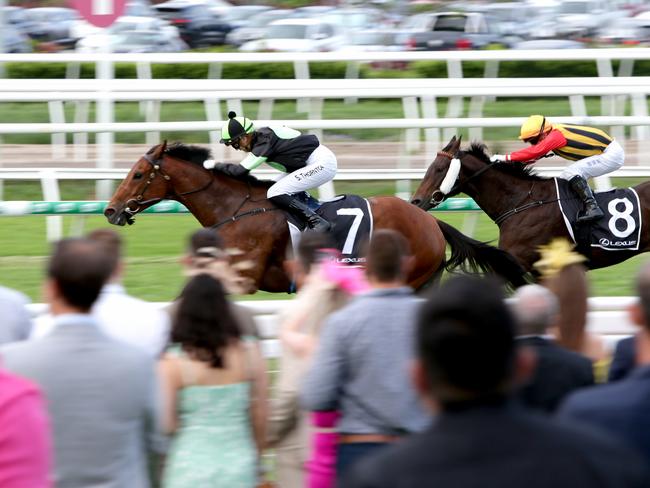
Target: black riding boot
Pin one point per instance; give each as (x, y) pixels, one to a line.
(592, 211)
(302, 211)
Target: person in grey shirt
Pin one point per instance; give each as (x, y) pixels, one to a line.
(16, 323)
(101, 394)
(362, 364)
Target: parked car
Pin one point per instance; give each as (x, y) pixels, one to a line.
(18, 17)
(298, 35)
(583, 18)
(166, 38)
(241, 15)
(197, 24)
(53, 24)
(126, 23)
(627, 31)
(516, 21)
(451, 30)
(257, 26)
(15, 41)
(371, 40)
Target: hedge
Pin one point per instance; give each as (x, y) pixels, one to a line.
(424, 69)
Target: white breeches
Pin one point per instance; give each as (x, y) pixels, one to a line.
(610, 160)
(321, 168)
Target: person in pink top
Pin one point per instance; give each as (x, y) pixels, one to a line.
(25, 446)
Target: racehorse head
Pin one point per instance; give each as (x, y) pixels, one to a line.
(145, 185)
(440, 178)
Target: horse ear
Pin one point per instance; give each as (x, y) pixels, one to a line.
(163, 146)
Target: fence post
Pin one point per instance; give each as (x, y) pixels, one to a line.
(50, 188)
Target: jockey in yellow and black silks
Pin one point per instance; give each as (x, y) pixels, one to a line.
(595, 153)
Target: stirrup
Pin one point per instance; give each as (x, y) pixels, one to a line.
(590, 214)
(318, 223)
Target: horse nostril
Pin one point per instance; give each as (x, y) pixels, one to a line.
(108, 213)
(416, 201)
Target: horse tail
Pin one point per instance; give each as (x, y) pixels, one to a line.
(475, 256)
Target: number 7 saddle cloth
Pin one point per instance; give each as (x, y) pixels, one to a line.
(351, 219)
(619, 229)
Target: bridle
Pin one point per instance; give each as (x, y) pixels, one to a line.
(500, 218)
(137, 204)
(438, 196)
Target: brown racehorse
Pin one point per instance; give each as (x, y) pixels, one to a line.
(522, 204)
(246, 220)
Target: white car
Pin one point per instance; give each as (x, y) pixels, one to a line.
(96, 42)
(298, 35)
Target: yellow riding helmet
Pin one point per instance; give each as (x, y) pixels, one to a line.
(533, 127)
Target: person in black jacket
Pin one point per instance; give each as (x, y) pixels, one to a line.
(306, 161)
(558, 371)
(467, 363)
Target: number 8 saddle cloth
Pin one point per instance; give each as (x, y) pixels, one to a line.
(619, 229)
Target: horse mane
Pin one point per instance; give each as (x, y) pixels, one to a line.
(198, 154)
(519, 170)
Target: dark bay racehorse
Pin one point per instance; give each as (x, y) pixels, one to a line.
(246, 220)
(522, 204)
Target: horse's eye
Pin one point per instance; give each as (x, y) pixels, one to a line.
(440, 169)
(137, 176)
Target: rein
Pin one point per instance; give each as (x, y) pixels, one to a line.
(509, 213)
(156, 165)
(236, 216)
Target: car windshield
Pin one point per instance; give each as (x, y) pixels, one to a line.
(508, 14)
(354, 20)
(415, 22)
(574, 8)
(261, 20)
(455, 23)
(146, 38)
(120, 27)
(44, 15)
(286, 31)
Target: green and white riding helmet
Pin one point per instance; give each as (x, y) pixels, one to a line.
(235, 128)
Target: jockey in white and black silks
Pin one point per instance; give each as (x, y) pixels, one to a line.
(308, 163)
(594, 151)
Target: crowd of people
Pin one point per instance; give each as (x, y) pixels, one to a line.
(378, 386)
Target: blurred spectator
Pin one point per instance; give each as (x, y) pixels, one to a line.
(361, 365)
(623, 408)
(25, 449)
(16, 323)
(121, 316)
(624, 359)
(215, 393)
(206, 255)
(323, 287)
(564, 274)
(467, 363)
(557, 370)
(101, 393)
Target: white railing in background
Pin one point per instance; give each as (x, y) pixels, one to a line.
(607, 317)
(613, 102)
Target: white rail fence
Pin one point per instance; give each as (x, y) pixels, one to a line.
(49, 179)
(607, 317)
(419, 97)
